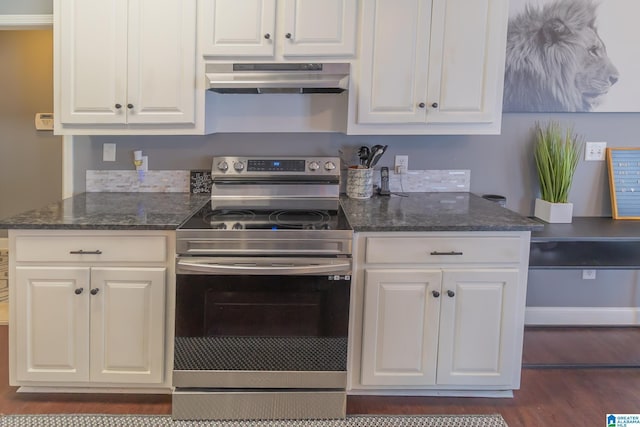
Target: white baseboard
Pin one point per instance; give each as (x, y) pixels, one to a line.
(582, 316)
(433, 393)
(96, 390)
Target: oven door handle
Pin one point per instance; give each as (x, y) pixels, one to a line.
(275, 268)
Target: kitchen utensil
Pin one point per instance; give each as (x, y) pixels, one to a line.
(375, 155)
(364, 153)
(372, 152)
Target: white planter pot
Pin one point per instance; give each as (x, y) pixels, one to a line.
(553, 212)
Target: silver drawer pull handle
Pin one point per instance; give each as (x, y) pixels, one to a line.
(446, 253)
(81, 252)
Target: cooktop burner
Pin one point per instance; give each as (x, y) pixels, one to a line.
(272, 219)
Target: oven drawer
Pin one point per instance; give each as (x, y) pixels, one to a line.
(227, 404)
(96, 248)
(438, 250)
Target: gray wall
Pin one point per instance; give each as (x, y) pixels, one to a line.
(30, 160)
(26, 7)
(500, 164)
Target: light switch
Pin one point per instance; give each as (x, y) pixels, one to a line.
(109, 152)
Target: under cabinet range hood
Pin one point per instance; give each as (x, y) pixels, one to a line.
(277, 78)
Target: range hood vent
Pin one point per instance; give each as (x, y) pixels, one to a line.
(277, 78)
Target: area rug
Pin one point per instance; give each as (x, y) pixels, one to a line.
(166, 421)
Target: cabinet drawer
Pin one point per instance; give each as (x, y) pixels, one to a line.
(110, 248)
(438, 250)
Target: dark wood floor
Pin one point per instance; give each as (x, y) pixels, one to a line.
(548, 397)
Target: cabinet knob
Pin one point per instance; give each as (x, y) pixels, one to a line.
(118, 106)
(78, 291)
(434, 105)
(422, 105)
(267, 36)
(94, 291)
(435, 294)
(130, 106)
(288, 35)
(451, 293)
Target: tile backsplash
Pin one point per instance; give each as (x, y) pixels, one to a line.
(430, 181)
(178, 181)
(153, 181)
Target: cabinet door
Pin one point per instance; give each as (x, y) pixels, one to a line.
(477, 327)
(127, 324)
(161, 61)
(92, 60)
(319, 27)
(238, 28)
(466, 61)
(393, 71)
(52, 324)
(400, 327)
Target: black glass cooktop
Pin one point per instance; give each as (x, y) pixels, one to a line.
(272, 219)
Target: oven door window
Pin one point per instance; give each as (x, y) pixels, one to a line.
(272, 323)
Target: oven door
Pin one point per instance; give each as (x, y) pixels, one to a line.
(260, 322)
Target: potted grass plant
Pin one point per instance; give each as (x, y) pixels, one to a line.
(556, 153)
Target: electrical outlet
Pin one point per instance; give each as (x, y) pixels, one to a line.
(401, 164)
(109, 152)
(588, 274)
(595, 151)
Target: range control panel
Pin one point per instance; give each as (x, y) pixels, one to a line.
(275, 166)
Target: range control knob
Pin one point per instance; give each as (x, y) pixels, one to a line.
(239, 166)
(329, 166)
(223, 166)
(314, 166)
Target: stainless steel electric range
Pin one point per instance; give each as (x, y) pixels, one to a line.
(262, 299)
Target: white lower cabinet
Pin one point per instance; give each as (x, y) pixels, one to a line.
(88, 323)
(400, 333)
(454, 324)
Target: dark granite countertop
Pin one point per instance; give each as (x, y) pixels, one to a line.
(587, 228)
(167, 211)
(111, 211)
(433, 212)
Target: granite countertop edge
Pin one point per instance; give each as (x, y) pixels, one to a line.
(433, 212)
(111, 211)
(433, 228)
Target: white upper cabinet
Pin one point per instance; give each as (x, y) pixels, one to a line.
(393, 78)
(270, 29)
(238, 28)
(440, 72)
(320, 27)
(125, 62)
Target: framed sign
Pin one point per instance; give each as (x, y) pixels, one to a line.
(624, 182)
